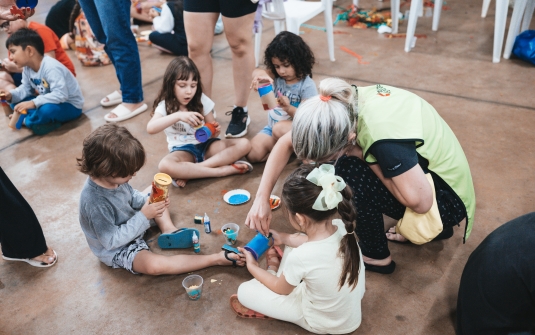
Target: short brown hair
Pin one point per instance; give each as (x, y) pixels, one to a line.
(111, 151)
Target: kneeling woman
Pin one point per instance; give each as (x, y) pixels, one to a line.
(385, 140)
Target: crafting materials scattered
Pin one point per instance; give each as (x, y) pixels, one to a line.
(196, 244)
(267, 97)
(384, 29)
(274, 202)
(259, 244)
(213, 280)
(237, 197)
(404, 35)
(313, 27)
(193, 286)
(207, 226)
(160, 187)
(354, 54)
(198, 219)
(362, 19)
(230, 230)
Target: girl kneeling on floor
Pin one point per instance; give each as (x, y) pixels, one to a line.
(114, 216)
(180, 108)
(319, 283)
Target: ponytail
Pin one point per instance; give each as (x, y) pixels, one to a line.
(349, 249)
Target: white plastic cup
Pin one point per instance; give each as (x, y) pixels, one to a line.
(193, 286)
(230, 238)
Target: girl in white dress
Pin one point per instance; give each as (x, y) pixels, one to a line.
(319, 283)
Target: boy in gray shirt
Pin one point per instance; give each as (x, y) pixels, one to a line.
(114, 216)
(49, 93)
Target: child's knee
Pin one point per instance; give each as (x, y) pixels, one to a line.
(164, 166)
(154, 268)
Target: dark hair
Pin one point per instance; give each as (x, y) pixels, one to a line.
(26, 37)
(111, 151)
(287, 46)
(299, 195)
(180, 68)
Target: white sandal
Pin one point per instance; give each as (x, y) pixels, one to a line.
(32, 262)
(124, 113)
(114, 98)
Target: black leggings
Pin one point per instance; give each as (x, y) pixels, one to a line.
(170, 42)
(21, 235)
(372, 199)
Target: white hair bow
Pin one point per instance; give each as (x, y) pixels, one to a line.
(332, 184)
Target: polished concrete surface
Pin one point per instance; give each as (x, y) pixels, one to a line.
(490, 107)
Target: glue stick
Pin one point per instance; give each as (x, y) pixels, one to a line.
(207, 227)
(196, 244)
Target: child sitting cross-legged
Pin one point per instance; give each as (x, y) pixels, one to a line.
(180, 108)
(114, 216)
(319, 283)
(49, 92)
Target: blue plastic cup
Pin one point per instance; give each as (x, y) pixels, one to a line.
(259, 245)
(27, 3)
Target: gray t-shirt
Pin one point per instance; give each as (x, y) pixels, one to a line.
(111, 219)
(54, 83)
(297, 92)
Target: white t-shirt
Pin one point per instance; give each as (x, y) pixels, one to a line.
(319, 266)
(181, 133)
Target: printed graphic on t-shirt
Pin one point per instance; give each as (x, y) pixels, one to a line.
(183, 132)
(41, 86)
(382, 91)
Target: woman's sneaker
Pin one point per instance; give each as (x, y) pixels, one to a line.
(238, 124)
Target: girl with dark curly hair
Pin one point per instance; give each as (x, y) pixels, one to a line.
(289, 63)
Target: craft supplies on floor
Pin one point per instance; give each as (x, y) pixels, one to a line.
(237, 197)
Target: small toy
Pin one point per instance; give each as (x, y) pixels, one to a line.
(354, 54)
(274, 202)
(267, 97)
(198, 219)
(207, 227)
(205, 132)
(160, 187)
(259, 244)
(237, 197)
(196, 244)
(17, 118)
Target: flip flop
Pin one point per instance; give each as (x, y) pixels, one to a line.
(32, 262)
(124, 113)
(179, 239)
(114, 98)
(242, 170)
(243, 311)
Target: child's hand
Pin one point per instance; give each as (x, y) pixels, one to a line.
(260, 79)
(284, 103)
(277, 239)
(154, 210)
(7, 94)
(25, 105)
(249, 259)
(217, 129)
(9, 66)
(194, 119)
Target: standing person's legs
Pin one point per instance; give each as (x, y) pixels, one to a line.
(168, 42)
(200, 35)
(21, 235)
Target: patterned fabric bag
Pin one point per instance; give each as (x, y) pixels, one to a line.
(89, 51)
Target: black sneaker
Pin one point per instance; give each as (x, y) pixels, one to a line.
(238, 124)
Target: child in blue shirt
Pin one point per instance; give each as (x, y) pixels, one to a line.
(49, 93)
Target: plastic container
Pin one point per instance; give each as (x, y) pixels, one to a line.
(267, 96)
(205, 132)
(207, 226)
(193, 286)
(16, 119)
(160, 187)
(196, 244)
(259, 245)
(26, 3)
(230, 230)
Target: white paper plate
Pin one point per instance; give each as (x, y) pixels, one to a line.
(237, 197)
(274, 197)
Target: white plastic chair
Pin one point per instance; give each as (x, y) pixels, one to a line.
(415, 11)
(272, 11)
(298, 12)
(522, 12)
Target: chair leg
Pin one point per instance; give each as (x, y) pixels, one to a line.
(411, 25)
(499, 29)
(436, 14)
(394, 4)
(257, 44)
(356, 3)
(528, 14)
(278, 25)
(514, 26)
(485, 8)
(329, 29)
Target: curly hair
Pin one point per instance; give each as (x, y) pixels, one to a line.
(290, 47)
(180, 68)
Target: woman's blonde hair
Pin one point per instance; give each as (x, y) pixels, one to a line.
(321, 128)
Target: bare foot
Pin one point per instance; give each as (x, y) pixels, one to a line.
(131, 107)
(48, 257)
(393, 236)
(180, 182)
(240, 259)
(380, 262)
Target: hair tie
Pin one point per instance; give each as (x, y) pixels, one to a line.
(330, 197)
(325, 98)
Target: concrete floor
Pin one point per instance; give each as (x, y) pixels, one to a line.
(490, 107)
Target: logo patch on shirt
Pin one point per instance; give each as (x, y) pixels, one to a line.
(394, 168)
(382, 91)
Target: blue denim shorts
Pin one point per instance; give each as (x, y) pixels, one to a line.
(197, 150)
(266, 130)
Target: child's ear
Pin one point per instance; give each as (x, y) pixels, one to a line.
(301, 219)
(352, 136)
